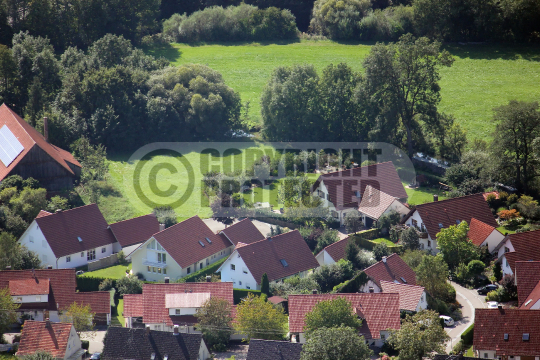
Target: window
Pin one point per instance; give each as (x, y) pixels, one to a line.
(189, 270)
(371, 289)
(429, 243)
(159, 270)
(103, 250)
(208, 240)
(200, 265)
(239, 283)
(201, 243)
(244, 270)
(38, 298)
(526, 337)
(284, 263)
(158, 247)
(233, 267)
(506, 249)
(153, 269)
(31, 239)
(162, 258)
(177, 311)
(485, 355)
(82, 253)
(164, 271)
(505, 337)
(505, 262)
(68, 258)
(248, 287)
(207, 262)
(328, 197)
(528, 302)
(149, 269)
(440, 225)
(383, 337)
(151, 245)
(403, 279)
(91, 255)
(79, 238)
(44, 243)
(414, 222)
(458, 221)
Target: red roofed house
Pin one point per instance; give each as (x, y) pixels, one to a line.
(527, 279)
(58, 339)
(411, 297)
(243, 231)
(25, 152)
(430, 218)
(333, 252)
(391, 268)
(343, 191)
(507, 334)
(482, 234)
(516, 247)
(379, 313)
(280, 257)
(129, 234)
(46, 293)
(161, 306)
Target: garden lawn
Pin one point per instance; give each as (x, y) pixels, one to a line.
(117, 318)
(481, 78)
(383, 240)
(112, 272)
(423, 195)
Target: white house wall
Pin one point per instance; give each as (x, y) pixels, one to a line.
(370, 284)
(493, 240)
(25, 299)
(324, 258)
(80, 259)
(203, 351)
(505, 266)
(35, 241)
(502, 249)
(398, 207)
(428, 243)
(240, 277)
(116, 247)
(422, 304)
(74, 343)
(489, 354)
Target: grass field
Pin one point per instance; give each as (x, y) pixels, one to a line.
(422, 195)
(482, 77)
(116, 317)
(383, 240)
(112, 272)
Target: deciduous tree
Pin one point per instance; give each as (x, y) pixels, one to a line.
(8, 315)
(455, 246)
(331, 314)
(341, 343)
(432, 274)
(215, 322)
(80, 315)
(258, 319)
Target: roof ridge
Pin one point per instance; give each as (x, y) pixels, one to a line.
(15, 115)
(400, 284)
(447, 200)
(136, 217)
(269, 237)
(378, 262)
(78, 207)
(181, 222)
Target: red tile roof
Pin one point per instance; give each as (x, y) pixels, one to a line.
(136, 230)
(154, 310)
(62, 230)
(243, 231)
(380, 311)
(36, 336)
(527, 276)
(342, 185)
(409, 295)
(276, 299)
(446, 212)
(182, 241)
(30, 137)
(29, 287)
(265, 256)
(490, 325)
(43, 213)
(99, 301)
(337, 249)
(394, 269)
(526, 248)
(62, 282)
(133, 305)
(479, 231)
(532, 298)
(374, 202)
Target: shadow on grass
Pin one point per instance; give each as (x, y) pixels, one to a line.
(166, 51)
(245, 43)
(495, 51)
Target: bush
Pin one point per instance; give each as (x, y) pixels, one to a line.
(107, 285)
(497, 271)
(508, 214)
(209, 270)
(380, 250)
(338, 19)
(87, 284)
(387, 24)
(239, 294)
(468, 335)
(165, 215)
(85, 344)
(129, 285)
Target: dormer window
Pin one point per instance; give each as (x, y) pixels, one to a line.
(506, 337)
(526, 337)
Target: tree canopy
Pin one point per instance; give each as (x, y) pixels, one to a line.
(215, 322)
(338, 343)
(258, 319)
(331, 314)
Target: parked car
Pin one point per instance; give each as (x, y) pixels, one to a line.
(95, 356)
(485, 289)
(492, 304)
(79, 272)
(448, 321)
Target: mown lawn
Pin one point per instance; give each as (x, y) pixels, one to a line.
(117, 319)
(383, 240)
(422, 195)
(112, 272)
(481, 78)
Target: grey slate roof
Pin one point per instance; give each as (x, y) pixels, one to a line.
(273, 350)
(126, 344)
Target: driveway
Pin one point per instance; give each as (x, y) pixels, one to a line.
(469, 300)
(95, 339)
(217, 226)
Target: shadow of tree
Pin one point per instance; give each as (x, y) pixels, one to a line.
(495, 51)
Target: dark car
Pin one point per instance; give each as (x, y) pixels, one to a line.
(485, 289)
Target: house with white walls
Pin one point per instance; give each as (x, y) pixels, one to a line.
(343, 191)
(412, 298)
(131, 233)
(392, 269)
(430, 218)
(375, 204)
(179, 250)
(280, 257)
(482, 234)
(333, 252)
(518, 247)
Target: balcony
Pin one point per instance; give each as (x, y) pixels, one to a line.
(154, 263)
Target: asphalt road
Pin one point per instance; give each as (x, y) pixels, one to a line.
(469, 300)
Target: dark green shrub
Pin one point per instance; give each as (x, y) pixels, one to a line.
(239, 294)
(468, 335)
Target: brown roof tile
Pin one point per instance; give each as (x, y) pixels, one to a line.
(409, 295)
(265, 256)
(374, 202)
(526, 248)
(447, 212)
(43, 213)
(243, 231)
(380, 311)
(36, 336)
(29, 287)
(136, 230)
(133, 305)
(394, 269)
(479, 231)
(527, 276)
(99, 301)
(490, 325)
(62, 230)
(337, 249)
(182, 241)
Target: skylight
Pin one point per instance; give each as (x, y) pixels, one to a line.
(79, 238)
(201, 243)
(505, 337)
(402, 279)
(528, 302)
(526, 337)
(458, 221)
(284, 263)
(209, 241)
(440, 225)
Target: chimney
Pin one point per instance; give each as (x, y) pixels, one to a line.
(147, 330)
(58, 211)
(49, 267)
(8, 267)
(315, 291)
(384, 259)
(435, 197)
(208, 278)
(47, 323)
(176, 331)
(167, 279)
(46, 128)
(161, 227)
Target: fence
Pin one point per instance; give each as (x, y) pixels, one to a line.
(103, 262)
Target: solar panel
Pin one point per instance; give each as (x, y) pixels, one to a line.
(10, 147)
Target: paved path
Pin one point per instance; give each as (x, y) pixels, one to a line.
(217, 226)
(469, 300)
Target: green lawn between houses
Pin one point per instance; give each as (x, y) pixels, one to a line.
(111, 272)
(481, 78)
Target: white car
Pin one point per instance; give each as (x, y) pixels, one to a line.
(448, 321)
(492, 304)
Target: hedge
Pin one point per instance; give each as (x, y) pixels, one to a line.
(353, 285)
(85, 344)
(468, 335)
(370, 245)
(209, 270)
(239, 294)
(86, 284)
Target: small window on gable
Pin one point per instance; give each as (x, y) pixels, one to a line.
(31, 239)
(208, 240)
(177, 311)
(82, 253)
(189, 269)
(68, 258)
(239, 283)
(284, 263)
(526, 337)
(505, 337)
(158, 247)
(233, 267)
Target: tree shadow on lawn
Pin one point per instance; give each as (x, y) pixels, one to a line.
(166, 51)
(244, 43)
(503, 51)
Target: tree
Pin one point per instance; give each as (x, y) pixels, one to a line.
(380, 250)
(340, 343)
(497, 271)
(92, 159)
(39, 355)
(8, 315)
(517, 126)
(432, 274)
(413, 258)
(455, 246)
(326, 238)
(214, 321)
(528, 207)
(508, 283)
(258, 319)
(388, 220)
(351, 253)
(402, 78)
(328, 276)
(29, 259)
(410, 239)
(475, 267)
(81, 316)
(265, 285)
(10, 251)
(420, 335)
(353, 221)
(57, 203)
(331, 314)
(29, 202)
(165, 215)
(106, 285)
(338, 19)
(129, 285)
(8, 76)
